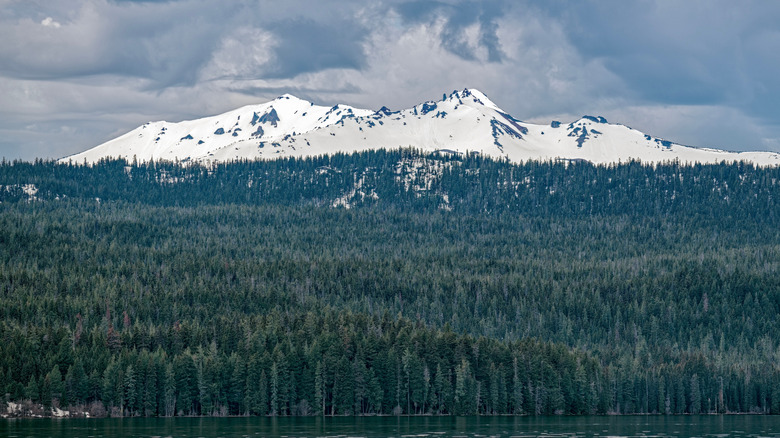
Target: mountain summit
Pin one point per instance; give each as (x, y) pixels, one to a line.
(466, 121)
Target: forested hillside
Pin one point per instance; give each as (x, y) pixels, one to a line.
(390, 282)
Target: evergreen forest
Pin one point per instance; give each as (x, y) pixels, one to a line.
(390, 283)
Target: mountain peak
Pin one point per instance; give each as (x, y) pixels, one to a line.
(482, 97)
(288, 98)
(473, 95)
(466, 121)
(594, 119)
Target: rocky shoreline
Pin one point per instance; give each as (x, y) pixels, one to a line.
(28, 409)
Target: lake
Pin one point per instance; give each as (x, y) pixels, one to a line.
(418, 427)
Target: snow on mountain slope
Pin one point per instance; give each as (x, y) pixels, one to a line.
(464, 122)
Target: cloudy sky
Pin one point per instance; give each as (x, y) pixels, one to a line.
(75, 73)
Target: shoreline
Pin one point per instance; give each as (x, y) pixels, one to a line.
(28, 410)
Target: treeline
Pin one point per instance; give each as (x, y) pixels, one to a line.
(307, 364)
(347, 365)
(413, 181)
(645, 289)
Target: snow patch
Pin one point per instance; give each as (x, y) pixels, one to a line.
(59, 413)
(356, 193)
(466, 121)
(30, 190)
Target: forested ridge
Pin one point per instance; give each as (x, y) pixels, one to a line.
(390, 283)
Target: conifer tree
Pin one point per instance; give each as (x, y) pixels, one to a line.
(169, 388)
(274, 390)
(319, 388)
(130, 397)
(32, 391)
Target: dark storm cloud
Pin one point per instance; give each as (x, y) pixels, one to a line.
(458, 16)
(683, 53)
(307, 46)
(169, 42)
(74, 73)
(165, 44)
(142, 1)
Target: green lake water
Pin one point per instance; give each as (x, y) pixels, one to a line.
(419, 427)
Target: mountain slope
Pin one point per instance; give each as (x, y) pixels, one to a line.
(464, 122)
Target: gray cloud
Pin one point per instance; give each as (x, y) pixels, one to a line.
(306, 46)
(687, 53)
(98, 38)
(699, 72)
(458, 16)
(143, 1)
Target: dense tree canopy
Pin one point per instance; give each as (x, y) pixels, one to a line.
(390, 282)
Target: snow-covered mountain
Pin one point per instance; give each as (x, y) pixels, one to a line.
(464, 122)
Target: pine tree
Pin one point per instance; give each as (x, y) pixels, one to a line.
(76, 384)
(375, 392)
(113, 385)
(438, 389)
(130, 391)
(186, 383)
(53, 387)
(398, 385)
(252, 386)
(169, 391)
(319, 388)
(679, 401)
(32, 391)
(426, 388)
(449, 392)
(343, 393)
(494, 390)
(150, 391)
(463, 395)
(263, 389)
(46, 391)
(274, 390)
(580, 404)
(359, 385)
(775, 405)
(237, 386)
(695, 395)
(517, 389)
